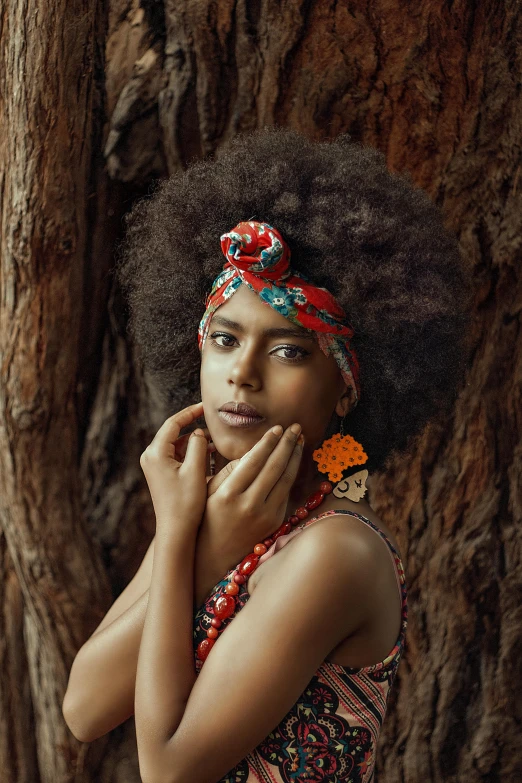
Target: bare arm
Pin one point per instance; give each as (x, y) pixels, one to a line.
(100, 691)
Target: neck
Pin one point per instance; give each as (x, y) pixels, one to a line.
(307, 481)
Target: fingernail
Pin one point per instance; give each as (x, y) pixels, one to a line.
(198, 431)
(295, 428)
(277, 430)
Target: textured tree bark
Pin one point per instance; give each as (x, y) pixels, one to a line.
(437, 87)
(45, 156)
(55, 588)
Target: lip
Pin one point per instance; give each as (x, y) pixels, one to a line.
(239, 419)
(242, 408)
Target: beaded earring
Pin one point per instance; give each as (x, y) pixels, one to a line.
(339, 457)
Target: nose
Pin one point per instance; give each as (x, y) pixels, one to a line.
(244, 369)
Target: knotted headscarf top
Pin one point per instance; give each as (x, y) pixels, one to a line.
(258, 256)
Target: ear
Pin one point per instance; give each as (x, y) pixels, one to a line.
(345, 401)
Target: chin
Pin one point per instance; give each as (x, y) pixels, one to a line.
(235, 446)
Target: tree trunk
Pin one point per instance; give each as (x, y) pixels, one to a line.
(98, 101)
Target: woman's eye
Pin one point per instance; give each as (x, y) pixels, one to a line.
(296, 353)
(214, 338)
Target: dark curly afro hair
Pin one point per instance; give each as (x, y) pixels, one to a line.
(370, 237)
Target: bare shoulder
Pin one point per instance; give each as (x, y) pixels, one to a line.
(344, 539)
(362, 508)
(317, 569)
(327, 554)
(331, 536)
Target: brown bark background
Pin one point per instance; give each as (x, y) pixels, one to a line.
(96, 100)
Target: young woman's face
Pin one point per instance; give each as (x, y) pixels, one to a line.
(285, 377)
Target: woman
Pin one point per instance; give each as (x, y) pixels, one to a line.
(338, 305)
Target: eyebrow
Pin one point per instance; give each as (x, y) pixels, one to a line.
(271, 332)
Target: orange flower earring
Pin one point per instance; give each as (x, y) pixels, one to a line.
(339, 456)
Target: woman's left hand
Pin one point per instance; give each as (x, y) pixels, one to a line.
(178, 489)
(247, 499)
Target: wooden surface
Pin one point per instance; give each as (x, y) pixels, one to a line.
(96, 100)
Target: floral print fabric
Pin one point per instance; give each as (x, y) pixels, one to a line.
(331, 733)
(258, 256)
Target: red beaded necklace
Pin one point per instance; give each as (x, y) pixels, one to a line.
(225, 604)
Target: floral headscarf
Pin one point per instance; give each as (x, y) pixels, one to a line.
(258, 256)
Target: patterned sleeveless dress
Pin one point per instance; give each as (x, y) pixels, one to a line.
(331, 733)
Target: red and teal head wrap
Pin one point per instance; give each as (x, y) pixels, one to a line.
(258, 256)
